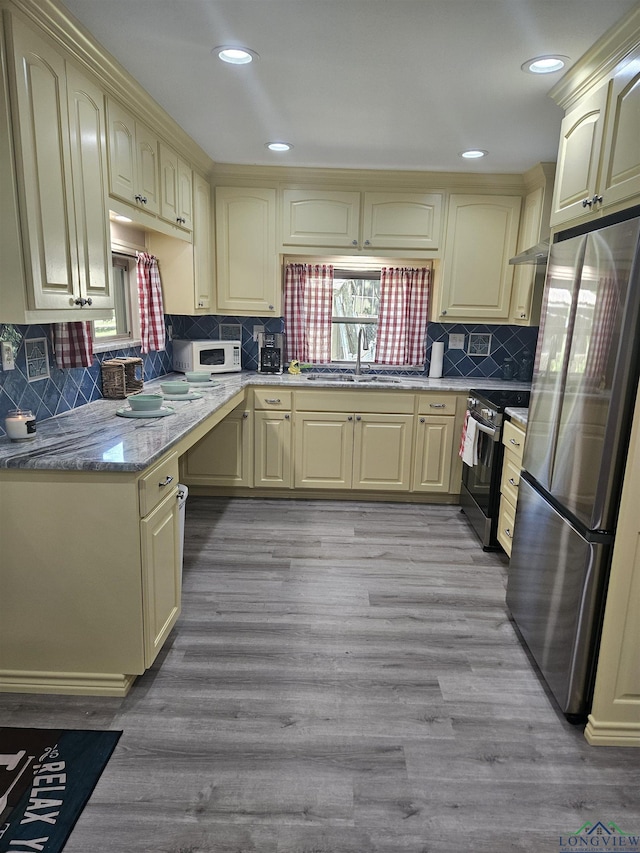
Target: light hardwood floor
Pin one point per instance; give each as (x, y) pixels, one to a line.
(343, 679)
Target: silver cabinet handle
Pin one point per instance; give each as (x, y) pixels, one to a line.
(514, 442)
(273, 400)
(437, 405)
(512, 481)
(508, 533)
(166, 482)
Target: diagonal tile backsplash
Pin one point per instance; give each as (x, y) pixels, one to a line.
(66, 389)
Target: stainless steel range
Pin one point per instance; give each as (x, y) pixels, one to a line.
(480, 492)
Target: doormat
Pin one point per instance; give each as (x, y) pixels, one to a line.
(46, 779)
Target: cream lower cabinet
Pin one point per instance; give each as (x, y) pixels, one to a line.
(367, 448)
(224, 456)
(90, 577)
(481, 237)
(513, 439)
(60, 146)
(273, 462)
(436, 465)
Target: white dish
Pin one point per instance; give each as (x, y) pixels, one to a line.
(208, 382)
(162, 412)
(190, 395)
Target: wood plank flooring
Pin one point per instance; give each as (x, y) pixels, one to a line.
(343, 679)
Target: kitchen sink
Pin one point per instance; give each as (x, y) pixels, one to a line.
(364, 379)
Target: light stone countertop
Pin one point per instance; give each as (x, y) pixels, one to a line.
(519, 415)
(93, 438)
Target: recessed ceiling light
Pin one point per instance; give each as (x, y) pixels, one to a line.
(473, 154)
(548, 64)
(234, 54)
(279, 146)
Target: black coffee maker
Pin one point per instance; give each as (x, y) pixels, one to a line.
(270, 353)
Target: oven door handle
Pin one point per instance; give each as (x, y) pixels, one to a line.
(492, 431)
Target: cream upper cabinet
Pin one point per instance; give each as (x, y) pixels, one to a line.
(528, 279)
(176, 189)
(247, 271)
(581, 135)
(365, 221)
(481, 236)
(203, 246)
(320, 218)
(59, 133)
(134, 174)
(599, 155)
(402, 220)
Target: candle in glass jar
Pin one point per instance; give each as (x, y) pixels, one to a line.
(20, 424)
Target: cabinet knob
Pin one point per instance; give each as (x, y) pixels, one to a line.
(367, 242)
(508, 532)
(597, 199)
(512, 482)
(82, 302)
(443, 313)
(270, 307)
(349, 417)
(354, 242)
(168, 479)
(423, 420)
(287, 417)
(587, 202)
(358, 417)
(245, 415)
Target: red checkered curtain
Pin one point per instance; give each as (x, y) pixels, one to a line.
(606, 322)
(308, 297)
(152, 331)
(402, 318)
(73, 344)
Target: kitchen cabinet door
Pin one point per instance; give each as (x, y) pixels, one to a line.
(42, 140)
(323, 450)
(203, 246)
(433, 454)
(477, 279)
(161, 574)
(382, 452)
(402, 220)
(247, 279)
(320, 218)
(89, 167)
(176, 189)
(133, 153)
(224, 456)
(581, 136)
(272, 449)
(620, 175)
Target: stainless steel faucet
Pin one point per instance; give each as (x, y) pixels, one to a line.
(361, 337)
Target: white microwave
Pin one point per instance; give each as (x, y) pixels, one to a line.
(214, 356)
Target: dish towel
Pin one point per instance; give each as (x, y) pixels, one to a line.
(469, 443)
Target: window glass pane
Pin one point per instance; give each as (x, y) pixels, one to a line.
(344, 341)
(356, 297)
(118, 325)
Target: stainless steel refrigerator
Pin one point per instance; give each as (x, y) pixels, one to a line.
(585, 378)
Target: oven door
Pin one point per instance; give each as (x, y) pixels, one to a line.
(482, 480)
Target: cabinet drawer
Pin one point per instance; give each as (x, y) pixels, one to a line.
(510, 477)
(157, 483)
(272, 398)
(382, 402)
(513, 439)
(437, 404)
(506, 524)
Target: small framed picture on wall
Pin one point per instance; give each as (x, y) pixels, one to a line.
(230, 332)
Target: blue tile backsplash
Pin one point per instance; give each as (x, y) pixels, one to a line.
(67, 389)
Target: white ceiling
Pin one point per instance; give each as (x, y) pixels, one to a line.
(372, 84)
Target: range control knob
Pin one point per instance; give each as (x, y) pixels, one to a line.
(488, 414)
